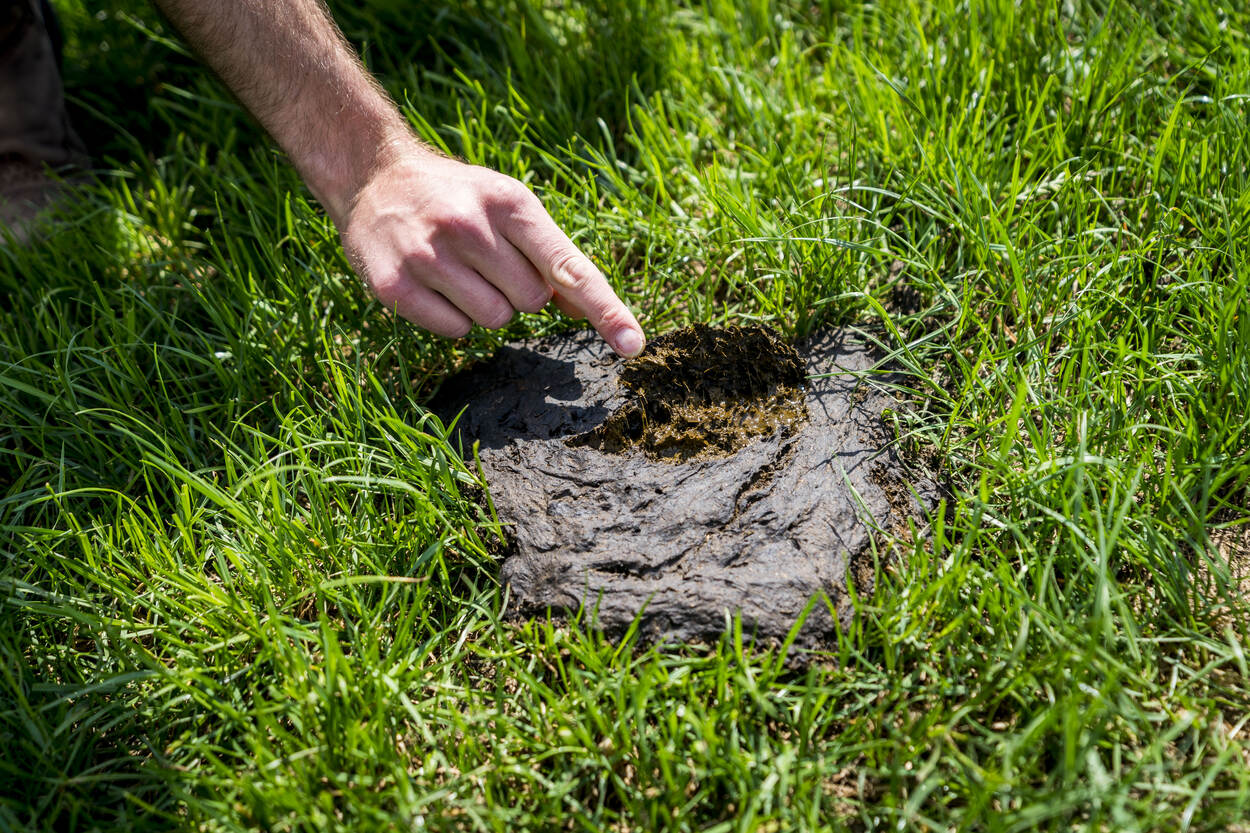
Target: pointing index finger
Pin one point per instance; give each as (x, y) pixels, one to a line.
(576, 280)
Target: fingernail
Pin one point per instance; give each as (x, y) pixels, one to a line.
(628, 342)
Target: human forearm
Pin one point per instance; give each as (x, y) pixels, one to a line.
(289, 65)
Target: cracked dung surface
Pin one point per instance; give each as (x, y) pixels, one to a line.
(759, 532)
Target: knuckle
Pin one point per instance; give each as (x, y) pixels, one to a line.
(387, 287)
(419, 261)
(571, 272)
(507, 192)
(463, 225)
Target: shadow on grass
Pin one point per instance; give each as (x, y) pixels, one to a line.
(78, 750)
(133, 85)
(577, 70)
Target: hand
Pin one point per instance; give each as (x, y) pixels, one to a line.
(443, 243)
(447, 244)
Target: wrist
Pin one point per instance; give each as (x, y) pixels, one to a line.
(353, 155)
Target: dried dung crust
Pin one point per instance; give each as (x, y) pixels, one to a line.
(704, 392)
(682, 545)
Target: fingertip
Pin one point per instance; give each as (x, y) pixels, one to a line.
(628, 342)
(455, 331)
(497, 319)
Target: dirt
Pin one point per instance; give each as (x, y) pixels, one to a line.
(721, 473)
(704, 392)
(1230, 548)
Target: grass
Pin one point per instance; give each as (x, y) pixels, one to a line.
(246, 583)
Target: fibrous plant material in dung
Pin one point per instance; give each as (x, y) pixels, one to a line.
(704, 392)
(682, 531)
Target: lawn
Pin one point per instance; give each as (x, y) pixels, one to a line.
(246, 582)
